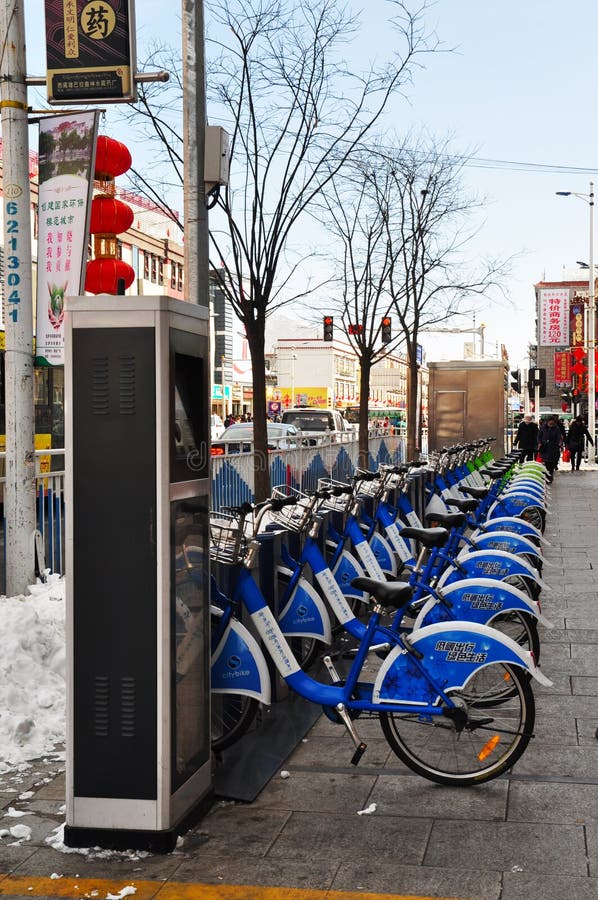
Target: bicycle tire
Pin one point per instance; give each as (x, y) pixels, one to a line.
(522, 627)
(305, 650)
(535, 516)
(231, 716)
(526, 584)
(491, 742)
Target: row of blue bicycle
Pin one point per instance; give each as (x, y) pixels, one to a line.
(442, 614)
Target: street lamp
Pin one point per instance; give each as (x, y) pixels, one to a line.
(591, 322)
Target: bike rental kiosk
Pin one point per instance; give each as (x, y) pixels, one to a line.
(137, 507)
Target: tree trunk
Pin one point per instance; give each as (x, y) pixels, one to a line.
(261, 472)
(413, 413)
(364, 402)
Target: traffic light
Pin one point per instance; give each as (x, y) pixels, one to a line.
(386, 330)
(356, 329)
(537, 377)
(516, 381)
(328, 328)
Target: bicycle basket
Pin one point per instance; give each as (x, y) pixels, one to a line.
(340, 503)
(368, 488)
(296, 517)
(228, 542)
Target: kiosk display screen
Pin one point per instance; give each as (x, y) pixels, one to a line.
(189, 445)
(190, 639)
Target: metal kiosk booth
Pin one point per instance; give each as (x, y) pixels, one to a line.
(137, 506)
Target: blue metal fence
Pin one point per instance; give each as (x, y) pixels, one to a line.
(232, 483)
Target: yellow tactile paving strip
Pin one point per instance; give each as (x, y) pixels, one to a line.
(23, 886)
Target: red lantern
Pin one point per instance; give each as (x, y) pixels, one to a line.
(109, 216)
(103, 274)
(112, 158)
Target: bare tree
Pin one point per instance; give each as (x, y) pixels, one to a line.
(428, 230)
(295, 113)
(357, 213)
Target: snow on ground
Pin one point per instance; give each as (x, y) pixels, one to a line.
(32, 674)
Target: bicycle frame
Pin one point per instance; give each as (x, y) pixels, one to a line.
(452, 653)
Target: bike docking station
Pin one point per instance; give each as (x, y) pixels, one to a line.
(245, 768)
(138, 760)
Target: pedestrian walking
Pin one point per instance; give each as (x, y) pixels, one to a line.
(550, 442)
(576, 441)
(526, 438)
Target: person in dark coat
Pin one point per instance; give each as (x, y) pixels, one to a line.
(526, 438)
(576, 441)
(550, 441)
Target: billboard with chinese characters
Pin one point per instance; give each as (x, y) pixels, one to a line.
(562, 368)
(576, 320)
(320, 397)
(90, 50)
(554, 317)
(66, 160)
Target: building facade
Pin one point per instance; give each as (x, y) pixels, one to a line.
(561, 328)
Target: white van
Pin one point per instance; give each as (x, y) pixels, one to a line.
(321, 423)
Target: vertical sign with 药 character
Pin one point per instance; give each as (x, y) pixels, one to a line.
(90, 50)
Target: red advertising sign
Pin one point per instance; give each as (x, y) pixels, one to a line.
(562, 368)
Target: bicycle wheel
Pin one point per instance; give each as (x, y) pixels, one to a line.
(305, 650)
(477, 743)
(535, 516)
(231, 716)
(522, 628)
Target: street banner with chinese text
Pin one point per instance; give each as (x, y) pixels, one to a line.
(562, 368)
(90, 49)
(554, 317)
(576, 321)
(66, 163)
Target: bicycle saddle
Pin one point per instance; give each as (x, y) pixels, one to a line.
(463, 504)
(495, 471)
(447, 520)
(429, 537)
(478, 492)
(393, 594)
(365, 475)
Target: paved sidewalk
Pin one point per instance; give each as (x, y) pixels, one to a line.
(533, 833)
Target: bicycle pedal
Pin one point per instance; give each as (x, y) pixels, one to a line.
(359, 751)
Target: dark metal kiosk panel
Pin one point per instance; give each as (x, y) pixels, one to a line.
(114, 406)
(137, 509)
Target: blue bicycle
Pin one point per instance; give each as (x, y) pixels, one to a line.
(430, 692)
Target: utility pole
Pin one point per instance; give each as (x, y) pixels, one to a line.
(19, 499)
(194, 129)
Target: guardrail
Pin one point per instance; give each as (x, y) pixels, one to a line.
(232, 474)
(49, 509)
(232, 482)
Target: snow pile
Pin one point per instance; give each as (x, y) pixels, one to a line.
(32, 673)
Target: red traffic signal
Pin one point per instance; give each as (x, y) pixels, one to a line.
(355, 329)
(328, 327)
(386, 330)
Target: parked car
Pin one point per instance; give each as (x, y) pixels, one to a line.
(216, 426)
(238, 438)
(317, 424)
